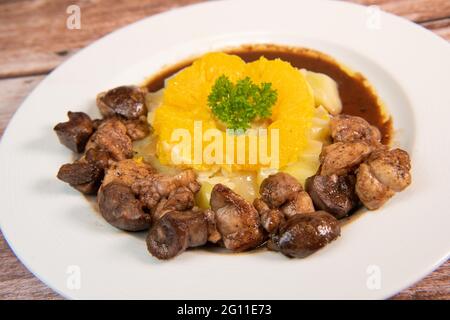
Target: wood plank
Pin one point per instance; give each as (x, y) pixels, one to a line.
(34, 38)
(415, 10)
(12, 92)
(16, 282)
(440, 27)
(435, 286)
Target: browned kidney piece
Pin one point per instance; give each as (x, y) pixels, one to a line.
(137, 129)
(346, 128)
(100, 158)
(75, 133)
(342, 158)
(175, 232)
(128, 171)
(383, 174)
(83, 176)
(125, 101)
(180, 199)
(271, 219)
(333, 194)
(214, 235)
(86, 174)
(156, 187)
(279, 188)
(302, 203)
(391, 167)
(305, 233)
(119, 206)
(111, 136)
(237, 220)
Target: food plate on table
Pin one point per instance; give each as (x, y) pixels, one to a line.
(170, 191)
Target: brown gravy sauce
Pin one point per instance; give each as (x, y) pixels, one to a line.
(358, 98)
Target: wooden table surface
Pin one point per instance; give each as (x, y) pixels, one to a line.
(34, 40)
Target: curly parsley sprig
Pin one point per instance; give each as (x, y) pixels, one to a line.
(237, 105)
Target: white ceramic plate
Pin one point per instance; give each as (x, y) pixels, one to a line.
(58, 236)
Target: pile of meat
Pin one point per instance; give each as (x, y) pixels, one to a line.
(357, 167)
(132, 196)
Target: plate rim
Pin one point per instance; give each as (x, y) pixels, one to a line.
(123, 29)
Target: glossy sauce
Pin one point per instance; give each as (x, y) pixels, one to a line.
(357, 97)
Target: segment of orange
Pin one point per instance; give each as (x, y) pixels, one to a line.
(190, 88)
(186, 94)
(295, 98)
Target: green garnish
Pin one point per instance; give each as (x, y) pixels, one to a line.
(237, 105)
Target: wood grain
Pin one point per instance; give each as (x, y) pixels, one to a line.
(435, 286)
(414, 10)
(16, 282)
(34, 40)
(440, 27)
(12, 92)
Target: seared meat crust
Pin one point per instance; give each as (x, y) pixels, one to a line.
(75, 133)
(236, 219)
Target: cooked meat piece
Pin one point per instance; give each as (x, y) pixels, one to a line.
(372, 193)
(84, 177)
(180, 199)
(197, 226)
(152, 188)
(333, 194)
(148, 193)
(213, 234)
(86, 174)
(119, 206)
(78, 173)
(160, 210)
(175, 232)
(111, 136)
(271, 219)
(391, 168)
(345, 128)
(187, 178)
(384, 173)
(137, 129)
(305, 233)
(279, 188)
(342, 158)
(89, 188)
(236, 219)
(75, 133)
(128, 171)
(260, 206)
(301, 203)
(156, 193)
(160, 186)
(100, 158)
(97, 122)
(125, 101)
